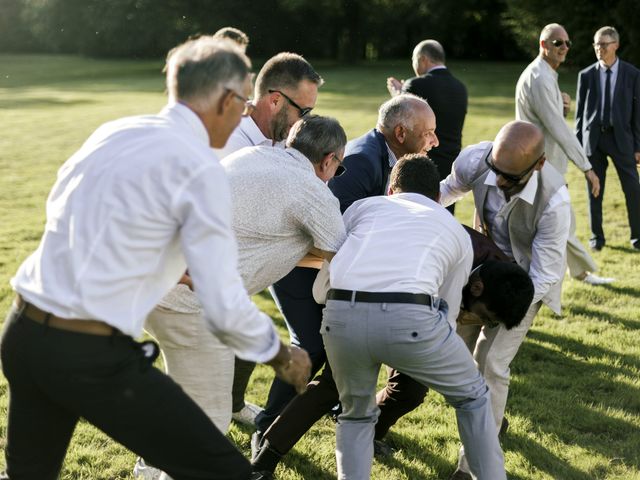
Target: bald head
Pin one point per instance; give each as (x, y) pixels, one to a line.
(550, 30)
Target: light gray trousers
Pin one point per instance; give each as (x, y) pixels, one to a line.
(418, 341)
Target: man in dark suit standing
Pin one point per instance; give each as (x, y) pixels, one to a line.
(608, 125)
(446, 95)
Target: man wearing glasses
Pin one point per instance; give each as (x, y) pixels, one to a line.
(523, 205)
(539, 101)
(608, 125)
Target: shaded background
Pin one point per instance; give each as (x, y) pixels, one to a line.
(343, 30)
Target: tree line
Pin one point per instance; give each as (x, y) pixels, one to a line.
(344, 30)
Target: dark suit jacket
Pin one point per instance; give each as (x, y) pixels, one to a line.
(367, 163)
(625, 108)
(448, 98)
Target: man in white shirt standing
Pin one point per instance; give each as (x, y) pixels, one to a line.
(539, 101)
(286, 90)
(404, 255)
(523, 205)
(143, 199)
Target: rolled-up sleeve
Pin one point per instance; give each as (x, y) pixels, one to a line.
(211, 252)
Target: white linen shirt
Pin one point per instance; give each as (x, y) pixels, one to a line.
(143, 198)
(549, 247)
(539, 101)
(403, 243)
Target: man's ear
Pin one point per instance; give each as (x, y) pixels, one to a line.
(437, 197)
(400, 133)
(225, 102)
(476, 286)
(541, 163)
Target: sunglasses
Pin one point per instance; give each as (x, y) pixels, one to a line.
(508, 176)
(341, 168)
(559, 43)
(302, 110)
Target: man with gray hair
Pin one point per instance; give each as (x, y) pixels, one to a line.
(281, 210)
(446, 95)
(143, 199)
(608, 125)
(539, 101)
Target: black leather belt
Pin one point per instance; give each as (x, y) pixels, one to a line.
(380, 297)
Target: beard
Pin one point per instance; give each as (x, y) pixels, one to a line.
(280, 125)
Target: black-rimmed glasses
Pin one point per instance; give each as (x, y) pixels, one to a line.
(341, 168)
(248, 103)
(302, 110)
(602, 45)
(508, 176)
(558, 43)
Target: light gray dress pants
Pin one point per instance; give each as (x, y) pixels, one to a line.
(418, 341)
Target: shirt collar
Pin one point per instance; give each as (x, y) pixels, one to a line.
(392, 156)
(437, 67)
(614, 67)
(416, 197)
(300, 158)
(182, 114)
(528, 193)
(544, 65)
(250, 128)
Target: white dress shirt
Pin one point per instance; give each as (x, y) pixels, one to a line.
(141, 200)
(539, 101)
(246, 134)
(403, 243)
(602, 72)
(549, 245)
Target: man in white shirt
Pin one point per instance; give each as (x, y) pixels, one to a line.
(523, 205)
(539, 101)
(141, 200)
(281, 210)
(286, 90)
(403, 256)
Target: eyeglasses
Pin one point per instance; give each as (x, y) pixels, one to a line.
(302, 110)
(248, 103)
(558, 43)
(602, 45)
(341, 168)
(508, 176)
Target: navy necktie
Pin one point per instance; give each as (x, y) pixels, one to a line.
(606, 111)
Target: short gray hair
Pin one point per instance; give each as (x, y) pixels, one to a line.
(430, 49)
(399, 110)
(548, 30)
(315, 136)
(285, 71)
(199, 69)
(233, 34)
(609, 31)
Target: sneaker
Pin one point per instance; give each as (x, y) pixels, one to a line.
(593, 279)
(145, 472)
(382, 449)
(504, 427)
(248, 414)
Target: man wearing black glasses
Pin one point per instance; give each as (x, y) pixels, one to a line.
(608, 124)
(523, 205)
(539, 101)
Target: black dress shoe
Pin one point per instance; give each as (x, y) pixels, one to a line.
(460, 475)
(382, 449)
(596, 244)
(636, 244)
(504, 427)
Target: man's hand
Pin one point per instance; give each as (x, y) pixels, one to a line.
(637, 155)
(394, 86)
(594, 181)
(186, 280)
(566, 103)
(292, 365)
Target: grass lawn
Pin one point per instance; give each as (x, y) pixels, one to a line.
(574, 405)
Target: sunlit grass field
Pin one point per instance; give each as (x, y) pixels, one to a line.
(574, 405)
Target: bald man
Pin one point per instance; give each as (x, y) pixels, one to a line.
(539, 101)
(523, 204)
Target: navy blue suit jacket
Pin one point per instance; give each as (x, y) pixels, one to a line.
(625, 108)
(367, 163)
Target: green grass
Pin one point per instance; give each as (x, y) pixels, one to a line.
(575, 399)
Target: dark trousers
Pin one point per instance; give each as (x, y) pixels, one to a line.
(628, 174)
(56, 377)
(401, 395)
(303, 317)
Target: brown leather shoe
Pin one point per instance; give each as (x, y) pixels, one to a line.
(460, 475)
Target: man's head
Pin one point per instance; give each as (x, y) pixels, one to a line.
(286, 90)
(322, 141)
(518, 151)
(606, 42)
(554, 44)
(408, 124)
(415, 173)
(235, 35)
(211, 77)
(426, 55)
(497, 292)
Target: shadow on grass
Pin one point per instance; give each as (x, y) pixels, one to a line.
(41, 102)
(608, 317)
